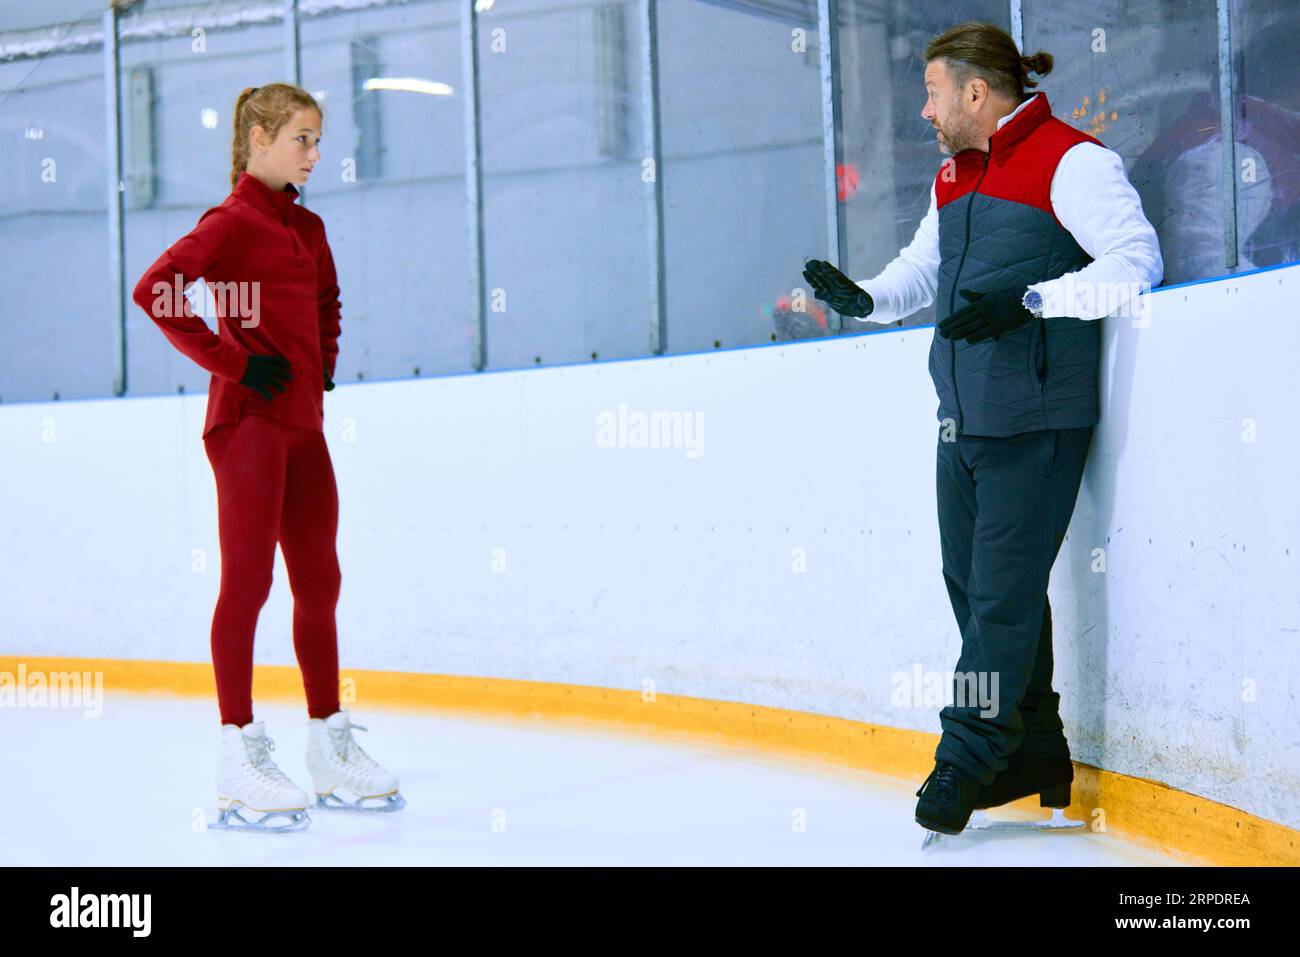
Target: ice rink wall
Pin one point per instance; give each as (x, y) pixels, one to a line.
(778, 551)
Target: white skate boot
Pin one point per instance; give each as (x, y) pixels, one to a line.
(248, 780)
(345, 777)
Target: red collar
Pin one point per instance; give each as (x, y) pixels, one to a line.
(276, 204)
(1020, 125)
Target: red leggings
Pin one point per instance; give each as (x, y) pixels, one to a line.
(275, 482)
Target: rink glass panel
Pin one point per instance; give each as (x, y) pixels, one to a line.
(55, 339)
(1129, 72)
(890, 150)
(567, 274)
(743, 177)
(1268, 106)
(390, 186)
(568, 239)
(178, 95)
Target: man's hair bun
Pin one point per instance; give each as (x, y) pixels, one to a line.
(1040, 63)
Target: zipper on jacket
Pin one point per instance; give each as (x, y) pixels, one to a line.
(1042, 379)
(952, 293)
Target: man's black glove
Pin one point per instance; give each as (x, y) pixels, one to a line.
(988, 314)
(837, 290)
(265, 373)
(329, 383)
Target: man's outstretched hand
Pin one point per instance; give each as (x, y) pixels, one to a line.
(987, 315)
(837, 290)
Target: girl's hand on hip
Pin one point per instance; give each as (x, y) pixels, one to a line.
(265, 373)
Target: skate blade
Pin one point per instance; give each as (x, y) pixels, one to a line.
(231, 819)
(375, 803)
(1057, 822)
(932, 834)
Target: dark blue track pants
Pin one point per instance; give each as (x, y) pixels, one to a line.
(1004, 507)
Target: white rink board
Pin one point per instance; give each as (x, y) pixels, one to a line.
(624, 566)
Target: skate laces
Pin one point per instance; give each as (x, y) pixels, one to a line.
(259, 755)
(346, 747)
(947, 780)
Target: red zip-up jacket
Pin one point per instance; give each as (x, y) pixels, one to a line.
(269, 266)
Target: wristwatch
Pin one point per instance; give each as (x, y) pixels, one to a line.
(1033, 301)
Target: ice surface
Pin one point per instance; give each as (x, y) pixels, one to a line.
(133, 787)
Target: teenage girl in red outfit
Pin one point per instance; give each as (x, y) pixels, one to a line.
(269, 266)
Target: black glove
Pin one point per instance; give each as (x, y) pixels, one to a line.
(837, 290)
(329, 383)
(989, 314)
(265, 373)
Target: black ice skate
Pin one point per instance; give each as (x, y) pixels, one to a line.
(947, 799)
(1047, 775)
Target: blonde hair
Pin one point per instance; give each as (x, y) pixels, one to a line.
(269, 107)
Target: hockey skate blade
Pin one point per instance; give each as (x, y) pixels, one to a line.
(980, 821)
(231, 819)
(380, 803)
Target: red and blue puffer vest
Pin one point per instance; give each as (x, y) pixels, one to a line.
(997, 231)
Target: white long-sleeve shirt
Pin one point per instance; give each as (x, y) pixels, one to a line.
(1093, 199)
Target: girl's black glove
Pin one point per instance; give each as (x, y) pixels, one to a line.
(837, 290)
(265, 373)
(329, 383)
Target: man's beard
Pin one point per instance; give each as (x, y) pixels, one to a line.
(953, 138)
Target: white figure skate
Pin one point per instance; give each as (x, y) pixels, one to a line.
(249, 781)
(344, 776)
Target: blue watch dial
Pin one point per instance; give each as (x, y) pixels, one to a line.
(1033, 301)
